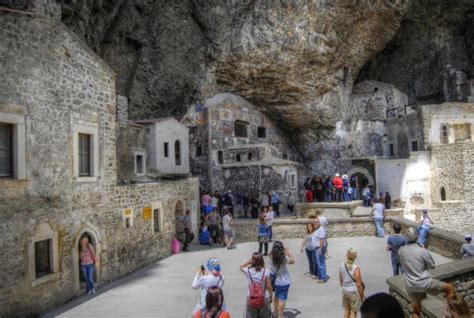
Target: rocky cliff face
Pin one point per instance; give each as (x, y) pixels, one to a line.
(295, 60)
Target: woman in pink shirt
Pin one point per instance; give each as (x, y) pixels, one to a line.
(88, 263)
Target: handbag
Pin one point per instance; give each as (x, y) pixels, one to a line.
(263, 239)
(352, 277)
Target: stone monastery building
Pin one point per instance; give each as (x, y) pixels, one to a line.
(70, 166)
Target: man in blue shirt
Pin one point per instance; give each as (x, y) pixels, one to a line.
(394, 242)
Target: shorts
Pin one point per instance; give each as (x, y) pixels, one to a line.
(229, 233)
(435, 288)
(351, 301)
(281, 292)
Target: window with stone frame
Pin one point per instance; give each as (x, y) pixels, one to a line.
(177, 153)
(6, 150)
(462, 132)
(414, 145)
(262, 132)
(249, 156)
(43, 258)
(241, 129)
(237, 157)
(85, 155)
(157, 220)
(220, 157)
(391, 150)
(139, 163)
(444, 133)
(293, 180)
(198, 151)
(127, 217)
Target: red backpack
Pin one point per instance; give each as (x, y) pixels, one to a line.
(257, 292)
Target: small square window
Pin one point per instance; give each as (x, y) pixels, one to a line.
(198, 151)
(391, 150)
(262, 132)
(414, 146)
(42, 258)
(444, 134)
(240, 129)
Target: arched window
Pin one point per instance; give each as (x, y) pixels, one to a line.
(177, 153)
(442, 194)
(250, 156)
(237, 157)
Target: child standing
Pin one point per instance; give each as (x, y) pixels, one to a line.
(262, 236)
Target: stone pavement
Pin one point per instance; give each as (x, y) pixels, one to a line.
(164, 289)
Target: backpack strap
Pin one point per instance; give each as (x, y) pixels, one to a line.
(352, 277)
(250, 276)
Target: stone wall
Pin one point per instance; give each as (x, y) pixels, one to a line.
(57, 84)
(459, 273)
(401, 132)
(131, 138)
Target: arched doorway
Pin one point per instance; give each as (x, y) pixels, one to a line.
(361, 178)
(179, 224)
(92, 233)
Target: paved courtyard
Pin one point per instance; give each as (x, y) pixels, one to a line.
(164, 289)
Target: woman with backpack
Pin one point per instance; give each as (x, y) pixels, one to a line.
(214, 304)
(260, 287)
(204, 279)
(280, 257)
(352, 286)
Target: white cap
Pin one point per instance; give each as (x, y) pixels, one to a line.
(467, 237)
(337, 174)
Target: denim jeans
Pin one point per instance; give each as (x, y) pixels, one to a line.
(423, 235)
(354, 194)
(270, 232)
(321, 257)
(88, 272)
(310, 254)
(379, 227)
(347, 197)
(397, 267)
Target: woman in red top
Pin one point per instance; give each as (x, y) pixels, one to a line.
(88, 264)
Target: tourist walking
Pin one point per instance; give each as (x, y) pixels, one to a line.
(290, 203)
(424, 229)
(276, 203)
(89, 261)
(321, 238)
(265, 200)
(269, 216)
(394, 242)
(280, 258)
(417, 262)
(378, 214)
(467, 249)
(263, 239)
(229, 201)
(338, 187)
(213, 220)
(318, 188)
(308, 190)
(214, 305)
(260, 290)
(354, 184)
(325, 224)
(253, 200)
(207, 277)
(328, 189)
(309, 246)
(352, 286)
(188, 230)
(346, 188)
(388, 200)
(366, 196)
(229, 234)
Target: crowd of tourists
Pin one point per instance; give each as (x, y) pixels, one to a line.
(269, 285)
(341, 189)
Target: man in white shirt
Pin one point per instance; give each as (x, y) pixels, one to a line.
(378, 211)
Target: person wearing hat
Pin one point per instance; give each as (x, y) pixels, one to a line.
(207, 277)
(425, 226)
(467, 249)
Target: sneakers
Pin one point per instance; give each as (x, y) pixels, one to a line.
(89, 293)
(307, 274)
(93, 291)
